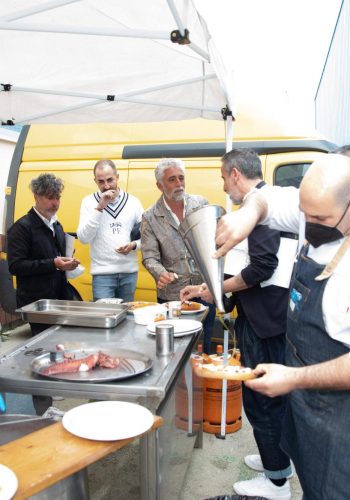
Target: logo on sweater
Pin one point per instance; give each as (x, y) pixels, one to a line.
(116, 227)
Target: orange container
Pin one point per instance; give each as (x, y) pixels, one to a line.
(211, 392)
(181, 398)
(212, 399)
(212, 402)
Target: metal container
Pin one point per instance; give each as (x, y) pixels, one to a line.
(198, 231)
(14, 426)
(164, 339)
(73, 313)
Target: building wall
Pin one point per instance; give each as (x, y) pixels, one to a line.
(332, 101)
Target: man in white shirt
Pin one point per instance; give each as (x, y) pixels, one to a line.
(109, 222)
(317, 374)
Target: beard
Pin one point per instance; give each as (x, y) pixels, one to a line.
(178, 195)
(235, 201)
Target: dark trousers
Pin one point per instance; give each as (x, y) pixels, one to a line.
(40, 403)
(264, 414)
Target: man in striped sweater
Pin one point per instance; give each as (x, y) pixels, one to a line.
(108, 219)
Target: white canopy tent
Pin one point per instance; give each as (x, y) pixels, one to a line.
(74, 61)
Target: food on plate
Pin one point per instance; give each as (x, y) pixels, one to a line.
(72, 365)
(190, 306)
(206, 358)
(213, 366)
(138, 303)
(228, 372)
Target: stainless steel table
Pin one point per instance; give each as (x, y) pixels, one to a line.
(165, 453)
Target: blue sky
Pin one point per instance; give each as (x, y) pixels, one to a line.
(276, 48)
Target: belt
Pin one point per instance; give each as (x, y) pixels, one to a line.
(291, 236)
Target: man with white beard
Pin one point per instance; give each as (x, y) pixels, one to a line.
(164, 253)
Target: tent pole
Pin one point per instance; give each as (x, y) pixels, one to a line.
(211, 109)
(199, 51)
(24, 121)
(74, 30)
(36, 10)
(229, 147)
(117, 96)
(176, 16)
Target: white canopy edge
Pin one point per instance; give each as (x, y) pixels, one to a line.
(208, 55)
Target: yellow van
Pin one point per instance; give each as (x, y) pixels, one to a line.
(70, 152)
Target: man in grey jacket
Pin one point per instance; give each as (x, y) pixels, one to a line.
(164, 253)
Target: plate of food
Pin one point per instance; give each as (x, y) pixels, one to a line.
(221, 372)
(182, 327)
(91, 365)
(136, 304)
(108, 420)
(8, 483)
(191, 307)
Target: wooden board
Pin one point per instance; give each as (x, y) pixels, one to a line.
(44, 457)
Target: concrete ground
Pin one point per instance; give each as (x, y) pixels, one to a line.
(212, 471)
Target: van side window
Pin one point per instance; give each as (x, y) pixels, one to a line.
(290, 175)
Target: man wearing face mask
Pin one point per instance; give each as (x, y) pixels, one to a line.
(317, 376)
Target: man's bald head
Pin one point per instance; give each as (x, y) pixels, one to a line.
(325, 189)
(330, 175)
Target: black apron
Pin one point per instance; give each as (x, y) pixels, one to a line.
(316, 432)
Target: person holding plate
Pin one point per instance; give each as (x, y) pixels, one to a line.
(316, 374)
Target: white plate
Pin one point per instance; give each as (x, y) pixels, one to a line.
(108, 420)
(8, 483)
(181, 326)
(201, 309)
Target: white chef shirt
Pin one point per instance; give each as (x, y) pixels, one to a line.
(284, 214)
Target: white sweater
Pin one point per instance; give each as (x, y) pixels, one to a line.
(108, 230)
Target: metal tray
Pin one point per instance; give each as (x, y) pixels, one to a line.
(16, 426)
(74, 313)
(132, 364)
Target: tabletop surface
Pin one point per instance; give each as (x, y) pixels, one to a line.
(44, 457)
(148, 388)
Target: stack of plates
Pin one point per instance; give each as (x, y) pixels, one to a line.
(182, 327)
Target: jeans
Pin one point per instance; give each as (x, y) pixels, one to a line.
(119, 285)
(264, 414)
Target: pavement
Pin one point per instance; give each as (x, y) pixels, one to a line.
(212, 470)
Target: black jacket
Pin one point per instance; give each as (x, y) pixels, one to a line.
(32, 248)
(265, 308)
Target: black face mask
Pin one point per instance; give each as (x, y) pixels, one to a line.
(318, 234)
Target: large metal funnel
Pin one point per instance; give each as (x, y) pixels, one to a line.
(198, 231)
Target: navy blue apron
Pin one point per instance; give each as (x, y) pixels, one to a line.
(316, 433)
